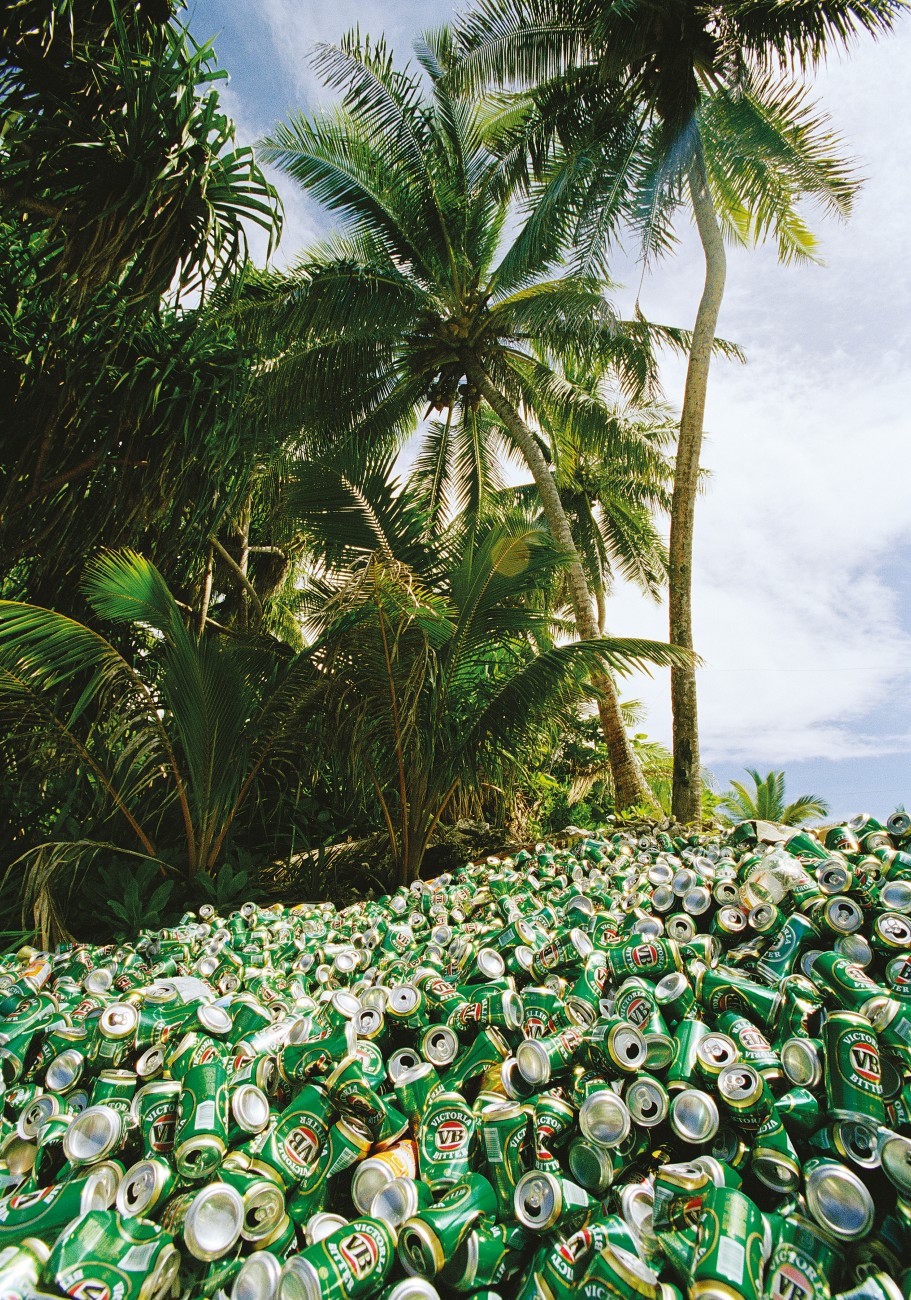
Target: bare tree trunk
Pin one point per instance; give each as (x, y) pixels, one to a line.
(687, 796)
(244, 561)
(206, 590)
(629, 784)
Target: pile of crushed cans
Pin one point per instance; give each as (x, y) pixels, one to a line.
(641, 1066)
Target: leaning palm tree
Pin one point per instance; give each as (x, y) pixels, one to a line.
(420, 306)
(766, 801)
(637, 106)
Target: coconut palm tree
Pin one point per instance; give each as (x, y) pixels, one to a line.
(421, 306)
(766, 801)
(637, 106)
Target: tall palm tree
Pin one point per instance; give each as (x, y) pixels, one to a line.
(639, 105)
(766, 801)
(418, 307)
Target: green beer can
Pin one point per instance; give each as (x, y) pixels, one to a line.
(21, 1267)
(203, 1115)
(44, 1211)
(103, 1254)
(432, 1237)
(504, 1130)
(352, 1262)
(446, 1140)
(732, 1247)
(802, 1262)
(853, 1073)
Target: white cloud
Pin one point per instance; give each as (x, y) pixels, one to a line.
(297, 25)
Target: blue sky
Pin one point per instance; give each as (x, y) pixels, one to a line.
(802, 597)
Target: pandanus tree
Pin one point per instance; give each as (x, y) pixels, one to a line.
(428, 301)
(121, 184)
(629, 109)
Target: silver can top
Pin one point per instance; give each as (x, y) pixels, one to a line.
(590, 1166)
(214, 1222)
(604, 1118)
(694, 1116)
(490, 963)
(395, 1202)
(647, 1101)
(258, 1278)
(64, 1070)
(320, 1225)
(838, 1200)
(93, 1135)
(801, 1062)
(533, 1062)
(537, 1201)
(214, 1019)
(141, 1187)
(895, 1157)
(249, 1108)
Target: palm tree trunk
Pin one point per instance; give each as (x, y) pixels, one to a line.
(629, 784)
(687, 793)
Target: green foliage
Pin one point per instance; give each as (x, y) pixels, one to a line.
(229, 886)
(116, 151)
(135, 897)
(615, 102)
(171, 744)
(122, 188)
(435, 682)
(572, 782)
(380, 324)
(766, 801)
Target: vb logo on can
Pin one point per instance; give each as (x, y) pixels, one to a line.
(645, 956)
(301, 1145)
(451, 1135)
(21, 1200)
(549, 956)
(360, 1253)
(638, 1011)
(865, 1062)
(90, 1289)
(789, 1283)
(161, 1131)
(754, 1040)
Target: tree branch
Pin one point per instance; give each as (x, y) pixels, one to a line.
(239, 575)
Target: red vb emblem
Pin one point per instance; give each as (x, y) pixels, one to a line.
(790, 1284)
(450, 1135)
(360, 1253)
(89, 1290)
(646, 955)
(865, 1061)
